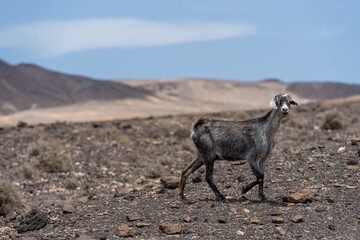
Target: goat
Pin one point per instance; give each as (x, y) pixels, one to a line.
(252, 140)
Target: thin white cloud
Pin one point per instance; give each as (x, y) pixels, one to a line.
(56, 38)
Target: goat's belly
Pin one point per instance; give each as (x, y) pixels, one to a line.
(231, 157)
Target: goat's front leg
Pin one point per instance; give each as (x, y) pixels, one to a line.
(258, 170)
(260, 179)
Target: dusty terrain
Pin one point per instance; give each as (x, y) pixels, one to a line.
(110, 173)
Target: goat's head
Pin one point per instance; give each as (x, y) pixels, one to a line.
(282, 102)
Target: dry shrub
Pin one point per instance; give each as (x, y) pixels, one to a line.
(70, 183)
(51, 158)
(24, 171)
(9, 199)
(334, 120)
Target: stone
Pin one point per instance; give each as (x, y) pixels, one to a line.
(14, 235)
(330, 218)
(201, 219)
(301, 170)
(330, 200)
(241, 178)
(297, 197)
(246, 203)
(133, 217)
(331, 226)
(84, 199)
(170, 228)
(197, 179)
(187, 218)
(170, 182)
(277, 220)
(68, 208)
(351, 187)
(245, 211)
(352, 162)
(352, 167)
(341, 149)
(337, 184)
(174, 205)
(320, 209)
(240, 233)
(84, 237)
(298, 218)
(255, 221)
(142, 225)
(124, 231)
(222, 220)
(280, 230)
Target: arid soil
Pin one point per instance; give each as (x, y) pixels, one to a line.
(87, 179)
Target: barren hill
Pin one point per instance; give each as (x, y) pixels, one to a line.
(34, 94)
(27, 86)
(323, 90)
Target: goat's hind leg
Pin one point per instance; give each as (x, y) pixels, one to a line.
(210, 180)
(195, 165)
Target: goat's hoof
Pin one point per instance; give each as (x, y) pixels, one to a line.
(221, 198)
(243, 190)
(263, 199)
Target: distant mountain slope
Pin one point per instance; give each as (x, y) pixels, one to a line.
(26, 86)
(323, 90)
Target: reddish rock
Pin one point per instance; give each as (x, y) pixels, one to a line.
(352, 167)
(297, 197)
(280, 230)
(142, 225)
(187, 218)
(255, 221)
(170, 228)
(278, 220)
(298, 218)
(124, 231)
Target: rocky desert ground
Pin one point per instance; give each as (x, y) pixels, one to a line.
(117, 179)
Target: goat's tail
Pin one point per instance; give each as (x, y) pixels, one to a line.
(196, 126)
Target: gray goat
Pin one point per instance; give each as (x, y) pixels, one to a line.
(252, 140)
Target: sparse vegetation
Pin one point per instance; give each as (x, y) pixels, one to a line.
(27, 171)
(50, 157)
(9, 199)
(334, 121)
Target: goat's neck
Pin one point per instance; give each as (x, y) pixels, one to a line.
(272, 122)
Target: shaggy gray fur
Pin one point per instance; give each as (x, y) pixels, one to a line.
(234, 140)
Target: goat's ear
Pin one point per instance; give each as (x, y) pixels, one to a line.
(273, 104)
(293, 102)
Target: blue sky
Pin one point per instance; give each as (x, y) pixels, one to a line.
(302, 40)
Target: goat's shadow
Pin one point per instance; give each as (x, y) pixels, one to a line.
(242, 200)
